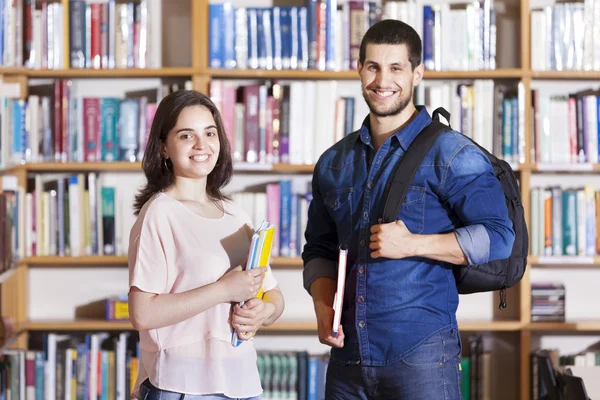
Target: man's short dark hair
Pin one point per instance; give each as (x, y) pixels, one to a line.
(391, 31)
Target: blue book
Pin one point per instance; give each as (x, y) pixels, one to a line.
(285, 217)
(215, 25)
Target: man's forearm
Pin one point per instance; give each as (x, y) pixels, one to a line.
(322, 291)
(441, 247)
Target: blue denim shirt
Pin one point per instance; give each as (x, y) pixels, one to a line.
(391, 306)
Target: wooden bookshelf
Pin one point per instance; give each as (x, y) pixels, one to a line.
(101, 261)
(201, 75)
(111, 73)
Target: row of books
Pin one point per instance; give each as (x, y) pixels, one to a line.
(9, 214)
(476, 370)
(581, 363)
(566, 127)
(566, 36)
(455, 37)
(109, 35)
(59, 123)
(94, 366)
(490, 113)
(565, 221)
(323, 36)
(64, 214)
(102, 34)
(284, 205)
(267, 122)
(547, 301)
(292, 375)
(272, 122)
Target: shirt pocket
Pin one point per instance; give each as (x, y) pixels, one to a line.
(339, 206)
(412, 212)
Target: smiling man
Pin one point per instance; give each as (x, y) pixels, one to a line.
(399, 337)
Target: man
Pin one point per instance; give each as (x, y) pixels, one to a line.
(399, 337)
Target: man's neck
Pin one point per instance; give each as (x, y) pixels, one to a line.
(382, 128)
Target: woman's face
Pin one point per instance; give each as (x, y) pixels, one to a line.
(193, 143)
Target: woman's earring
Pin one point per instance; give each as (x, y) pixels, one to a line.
(165, 163)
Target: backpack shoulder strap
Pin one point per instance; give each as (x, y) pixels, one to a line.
(408, 166)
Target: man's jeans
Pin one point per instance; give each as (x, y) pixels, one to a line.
(150, 392)
(430, 372)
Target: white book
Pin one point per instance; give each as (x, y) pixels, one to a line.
(75, 232)
(95, 342)
(338, 300)
(120, 363)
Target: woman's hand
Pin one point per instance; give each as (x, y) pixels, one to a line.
(247, 319)
(242, 285)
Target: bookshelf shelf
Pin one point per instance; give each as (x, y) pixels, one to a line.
(583, 326)
(123, 166)
(565, 261)
(352, 74)
(110, 73)
(283, 326)
(591, 75)
(94, 325)
(495, 326)
(67, 261)
(12, 71)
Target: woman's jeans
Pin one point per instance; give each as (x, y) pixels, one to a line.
(150, 392)
(430, 372)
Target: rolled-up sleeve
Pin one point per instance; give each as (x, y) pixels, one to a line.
(320, 251)
(474, 193)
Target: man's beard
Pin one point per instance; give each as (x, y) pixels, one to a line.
(395, 108)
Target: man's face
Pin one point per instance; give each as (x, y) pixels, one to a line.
(387, 79)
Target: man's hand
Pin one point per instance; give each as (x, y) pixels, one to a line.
(392, 240)
(324, 325)
(246, 320)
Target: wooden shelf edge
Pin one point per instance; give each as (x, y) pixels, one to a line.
(564, 261)
(353, 74)
(65, 261)
(93, 325)
(124, 166)
(495, 326)
(111, 73)
(581, 326)
(595, 75)
(280, 326)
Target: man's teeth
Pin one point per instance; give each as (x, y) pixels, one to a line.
(384, 94)
(199, 158)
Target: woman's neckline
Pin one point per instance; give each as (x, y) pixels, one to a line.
(192, 212)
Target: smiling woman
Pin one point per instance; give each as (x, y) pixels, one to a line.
(186, 253)
(184, 118)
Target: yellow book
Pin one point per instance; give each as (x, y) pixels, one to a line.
(259, 255)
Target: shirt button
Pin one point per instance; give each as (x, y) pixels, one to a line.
(362, 242)
(370, 185)
(361, 324)
(361, 270)
(365, 215)
(361, 299)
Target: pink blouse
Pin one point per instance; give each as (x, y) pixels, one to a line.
(172, 250)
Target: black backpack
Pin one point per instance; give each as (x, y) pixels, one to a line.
(495, 275)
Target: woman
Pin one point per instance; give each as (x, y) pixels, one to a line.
(185, 255)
